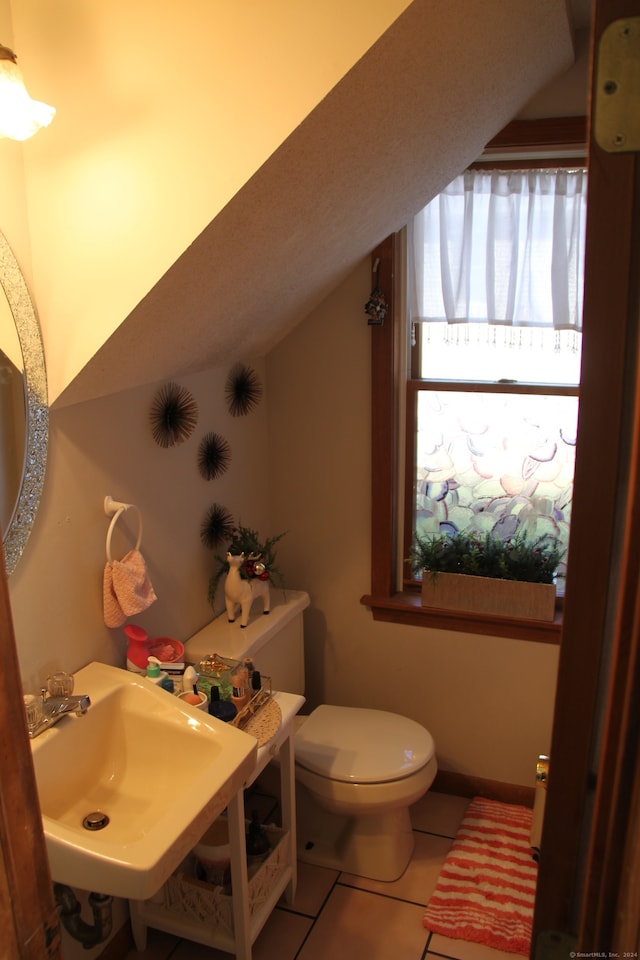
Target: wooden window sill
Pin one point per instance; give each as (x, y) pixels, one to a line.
(406, 607)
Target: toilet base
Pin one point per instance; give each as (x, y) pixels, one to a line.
(376, 846)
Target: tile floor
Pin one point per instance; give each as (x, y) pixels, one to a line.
(338, 916)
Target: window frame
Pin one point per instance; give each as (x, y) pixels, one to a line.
(548, 142)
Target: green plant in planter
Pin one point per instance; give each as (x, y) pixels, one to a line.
(515, 558)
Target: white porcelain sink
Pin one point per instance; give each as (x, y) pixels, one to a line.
(159, 769)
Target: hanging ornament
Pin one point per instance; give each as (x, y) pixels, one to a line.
(174, 414)
(376, 306)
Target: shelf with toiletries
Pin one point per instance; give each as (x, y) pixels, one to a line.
(231, 922)
(187, 895)
(232, 690)
(235, 684)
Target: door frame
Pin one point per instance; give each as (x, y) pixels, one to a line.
(28, 915)
(590, 852)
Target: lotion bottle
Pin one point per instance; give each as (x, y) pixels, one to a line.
(189, 679)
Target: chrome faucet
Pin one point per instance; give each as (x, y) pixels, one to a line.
(53, 709)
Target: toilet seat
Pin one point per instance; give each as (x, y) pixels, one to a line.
(358, 745)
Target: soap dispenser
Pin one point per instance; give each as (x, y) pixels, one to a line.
(156, 675)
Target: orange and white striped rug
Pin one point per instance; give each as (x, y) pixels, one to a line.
(486, 888)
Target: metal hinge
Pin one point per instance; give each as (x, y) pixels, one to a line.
(617, 108)
(553, 945)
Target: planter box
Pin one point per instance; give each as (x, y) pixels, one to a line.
(506, 598)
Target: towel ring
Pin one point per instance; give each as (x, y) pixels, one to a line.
(115, 509)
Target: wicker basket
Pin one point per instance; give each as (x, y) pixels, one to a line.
(185, 893)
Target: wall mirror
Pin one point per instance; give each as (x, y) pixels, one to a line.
(24, 415)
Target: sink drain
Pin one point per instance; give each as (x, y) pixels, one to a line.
(95, 821)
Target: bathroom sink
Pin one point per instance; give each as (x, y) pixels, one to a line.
(150, 772)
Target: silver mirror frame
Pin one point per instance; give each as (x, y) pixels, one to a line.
(37, 410)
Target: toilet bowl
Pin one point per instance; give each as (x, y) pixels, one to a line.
(357, 770)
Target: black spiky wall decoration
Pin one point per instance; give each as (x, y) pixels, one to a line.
(243, 390)
(216, 526)
(214, 456)
(174, 414)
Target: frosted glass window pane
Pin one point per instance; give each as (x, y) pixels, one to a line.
(495, 463)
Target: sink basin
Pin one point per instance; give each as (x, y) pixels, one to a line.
(158, 769)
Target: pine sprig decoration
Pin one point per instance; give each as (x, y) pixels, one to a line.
(515, 558)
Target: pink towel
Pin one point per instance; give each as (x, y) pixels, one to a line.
(126, 588)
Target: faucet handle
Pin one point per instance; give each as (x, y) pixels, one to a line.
(60, 684)
(33, 709)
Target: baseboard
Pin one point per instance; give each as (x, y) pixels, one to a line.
(119, 945)
(463, 785)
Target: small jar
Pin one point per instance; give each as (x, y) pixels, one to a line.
(188, 696)
(221, 709)
(216, 672)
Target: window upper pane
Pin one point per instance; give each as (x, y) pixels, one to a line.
(490, 353)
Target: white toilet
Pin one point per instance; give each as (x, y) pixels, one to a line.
(357, 770)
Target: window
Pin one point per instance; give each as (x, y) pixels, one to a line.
(496, 273)
(438, 336)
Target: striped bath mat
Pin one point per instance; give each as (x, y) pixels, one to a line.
(486, 888)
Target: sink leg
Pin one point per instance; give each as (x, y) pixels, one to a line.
(240, 904)
(138, 926)
(288, 795)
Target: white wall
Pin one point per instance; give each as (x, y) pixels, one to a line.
(487, 701)
(106, 447)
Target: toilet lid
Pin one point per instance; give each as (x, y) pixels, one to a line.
(361, 746)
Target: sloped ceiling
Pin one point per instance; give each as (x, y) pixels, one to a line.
(411, 114)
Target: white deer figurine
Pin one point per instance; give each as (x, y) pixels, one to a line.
(242, 593)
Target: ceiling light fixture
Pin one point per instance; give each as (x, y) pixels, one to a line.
(20, 116)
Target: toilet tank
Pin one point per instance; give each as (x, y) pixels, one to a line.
(274, 641)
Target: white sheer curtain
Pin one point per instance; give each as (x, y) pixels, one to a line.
(502, 247)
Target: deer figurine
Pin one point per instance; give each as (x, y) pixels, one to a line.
(242, 593)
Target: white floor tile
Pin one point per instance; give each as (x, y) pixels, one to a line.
(338, 916)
